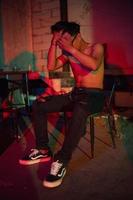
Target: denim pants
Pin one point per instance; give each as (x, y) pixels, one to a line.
(82, 102)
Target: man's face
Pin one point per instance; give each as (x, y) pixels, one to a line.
(66, 36)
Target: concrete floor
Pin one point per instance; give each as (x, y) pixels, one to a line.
(109, 176)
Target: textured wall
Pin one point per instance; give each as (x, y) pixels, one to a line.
(26, 33)
(44, 13)
(80, 11)
(16, 26)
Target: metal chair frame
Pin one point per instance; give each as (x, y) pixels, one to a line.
(108, 111)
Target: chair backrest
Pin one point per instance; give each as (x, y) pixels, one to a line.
(112, 93)
(109, 94)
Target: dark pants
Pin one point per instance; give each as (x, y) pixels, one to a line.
(82, 102)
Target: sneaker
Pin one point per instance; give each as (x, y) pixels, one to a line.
(36, 156)
(56, 175)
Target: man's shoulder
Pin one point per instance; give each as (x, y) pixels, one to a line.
(97, 45)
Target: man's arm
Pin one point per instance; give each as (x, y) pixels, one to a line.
(53, 62)
(91, 61)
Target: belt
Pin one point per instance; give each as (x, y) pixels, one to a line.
(87, 89)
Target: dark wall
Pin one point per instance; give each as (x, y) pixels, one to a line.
(113, 25)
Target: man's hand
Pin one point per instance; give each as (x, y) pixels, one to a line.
(56, 37)
(65, 44)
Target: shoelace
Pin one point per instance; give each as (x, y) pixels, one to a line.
(33, 152)
(55, 167)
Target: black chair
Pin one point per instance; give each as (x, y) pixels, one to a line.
(107, 111)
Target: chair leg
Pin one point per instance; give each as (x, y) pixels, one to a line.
(112, 129)
(66, 122)
(92, 135)
(15, 119)
(113, 125)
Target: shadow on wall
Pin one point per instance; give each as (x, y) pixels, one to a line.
(21, 62)
(24, 61)
(114, 71)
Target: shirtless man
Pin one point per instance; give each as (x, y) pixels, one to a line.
(87, 63)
